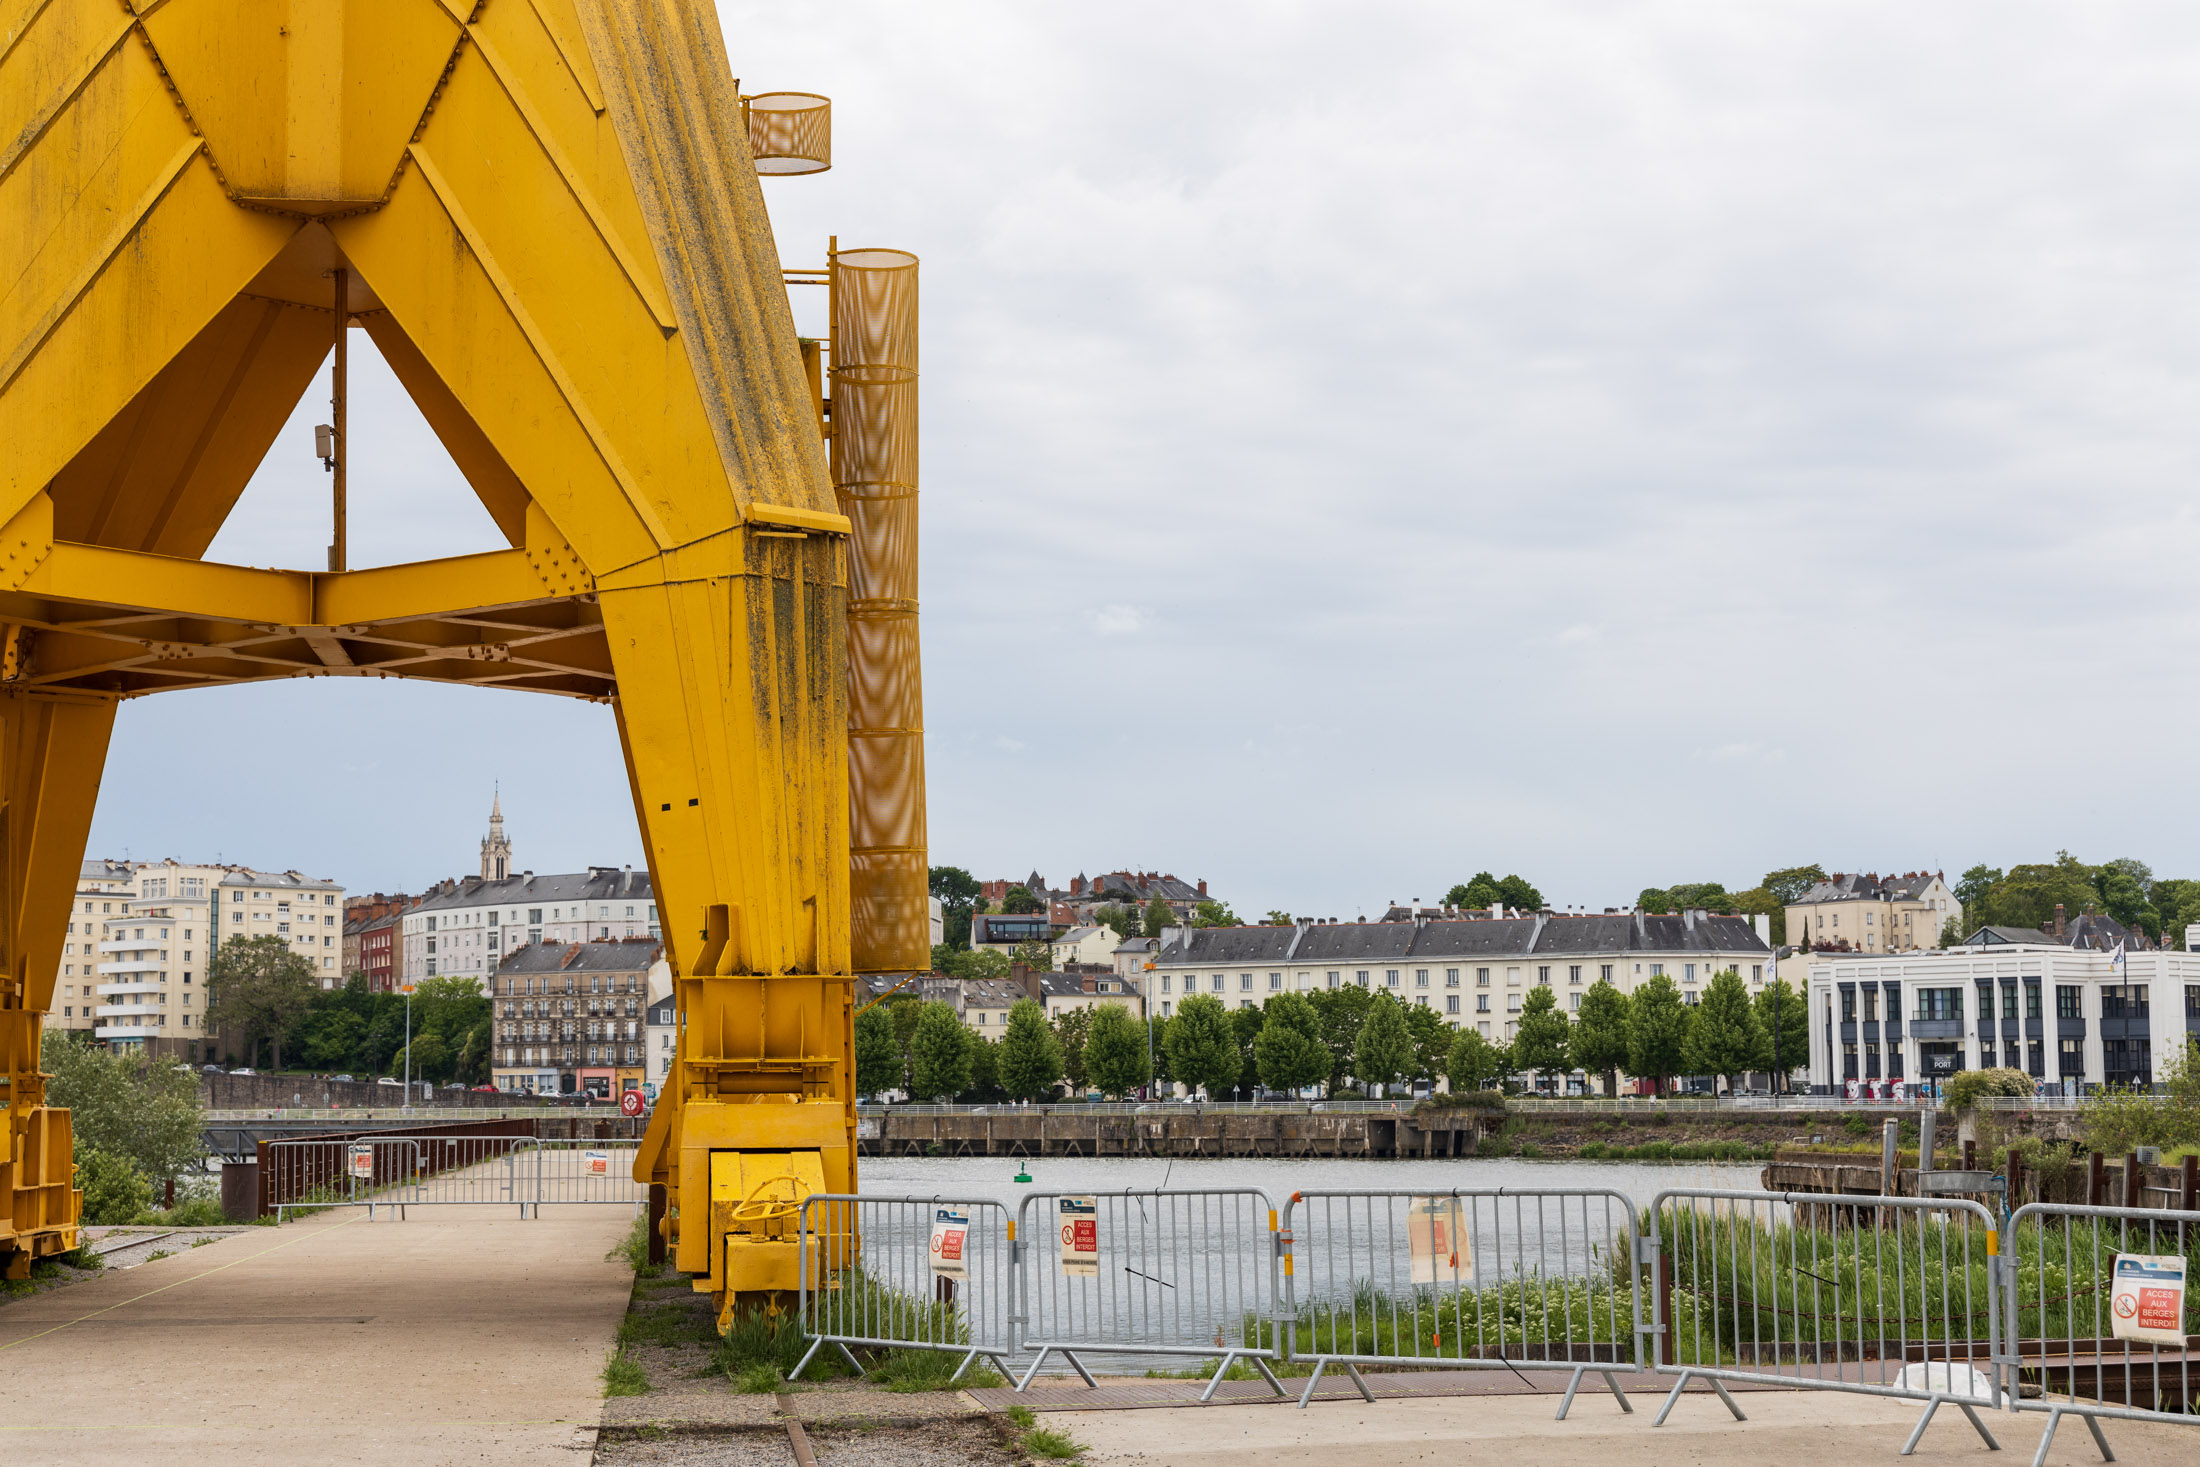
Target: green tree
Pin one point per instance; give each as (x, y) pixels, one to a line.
(939, 1058)
(1342, 1011)
(1214, 914)
(333, 1038)
(1600, 1034)
(904, 1009)
(1384, 1048)
(1431, 1041)
(1482, 891)
(1157, 1045)
(144, 1111)
(1972, 889)
(1072, 1027)
(878, 1059)
(1540, 1042)
(1276, 918)
(957, 891)
(1160, 916)
(431, 1059)
(1778, 1002)
(1726, 1038)
(2028, 895)
(987, 963)
(985, 1069)
(1519, 894)
(115, 1191)
(1785, 887)
(1031, 1057)
(2127, 888)
(1474, 1062)
(259, 988)
(1202, 1048)
(1036, 955)
(1245, 1027)
(1020, 902)
(1657, 1032)
(1289, 1053)
(1115, 1051)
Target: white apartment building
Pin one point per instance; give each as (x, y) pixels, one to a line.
(1874, 914)
(99, 884)
(144, 932)
(468, 928)
(2082, 1011)
(1474, 971)
(306, 914)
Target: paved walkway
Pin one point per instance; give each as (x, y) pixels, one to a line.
(1784, 1427)
(463, 1335)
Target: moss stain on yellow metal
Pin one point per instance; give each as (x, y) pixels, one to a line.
(550, 220)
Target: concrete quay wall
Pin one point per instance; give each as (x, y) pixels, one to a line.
(1064, 1131)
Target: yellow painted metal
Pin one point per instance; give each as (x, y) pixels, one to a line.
(550, 222)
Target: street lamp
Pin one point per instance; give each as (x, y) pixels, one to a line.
(407, 990)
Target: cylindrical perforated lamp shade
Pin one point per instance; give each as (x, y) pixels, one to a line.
(874, 310)
(791, 132)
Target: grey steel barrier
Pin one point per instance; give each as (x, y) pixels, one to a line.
(910, 1273)
(1467, 1280)
(2087, 1287)
(585, 1172)
(1883, 1296)
(1148, 1273)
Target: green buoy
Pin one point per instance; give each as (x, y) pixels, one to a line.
(1022, 1173)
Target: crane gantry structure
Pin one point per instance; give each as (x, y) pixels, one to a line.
(546, 216)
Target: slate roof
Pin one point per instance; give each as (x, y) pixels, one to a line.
(582, 957)
(2093, 930)
(245, 876)
(597, 883)
(1368, 942)
(1852, 887)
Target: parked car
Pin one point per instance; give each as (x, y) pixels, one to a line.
(393, 1084)
(244, 1070)
(212, 1070)
(340, 1077)
(485, 1089)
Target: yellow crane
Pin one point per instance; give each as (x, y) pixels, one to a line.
(545, 215)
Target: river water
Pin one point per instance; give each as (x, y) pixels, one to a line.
(992, 1178)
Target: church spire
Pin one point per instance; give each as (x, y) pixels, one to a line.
(496, 851)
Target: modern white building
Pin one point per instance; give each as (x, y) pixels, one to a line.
(102, 888)
(2083, 1010)
(467, 928)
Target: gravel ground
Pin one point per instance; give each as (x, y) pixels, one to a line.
(965, 1443)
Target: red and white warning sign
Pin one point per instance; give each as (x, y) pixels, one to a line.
(362, 1163)
(2148, 1301)
(950, 1241)
(599, 1163)
(1080, 1219)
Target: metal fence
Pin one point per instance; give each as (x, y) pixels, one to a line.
(2101, 1319)
(1466, 1279)
(914, 1273)
(1884, 1296)
(1148, 1273)
(402, 1172)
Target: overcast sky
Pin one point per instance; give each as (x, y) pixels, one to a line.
(1365, 444)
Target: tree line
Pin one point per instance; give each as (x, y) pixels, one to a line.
(1346, 1039)
(2125, 889)
(267, 1004)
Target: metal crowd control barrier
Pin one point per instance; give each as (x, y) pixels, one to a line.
(568, 1172)
(2101, 1311)
(403, 1172)
(1148, 1273)
(1883, 1296)
(1467, 1280)
(910, 1273)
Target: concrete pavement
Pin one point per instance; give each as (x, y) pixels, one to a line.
(462, 1335)
(1784, 1426)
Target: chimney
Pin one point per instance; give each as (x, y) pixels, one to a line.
(1021, 974)
(1077, 886)
(2058, 919)
(1203, 888)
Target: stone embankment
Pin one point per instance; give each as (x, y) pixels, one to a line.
(1173, 1131)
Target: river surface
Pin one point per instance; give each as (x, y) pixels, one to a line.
(992, 1178)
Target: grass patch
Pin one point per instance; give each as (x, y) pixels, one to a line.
(666, 1328)
(759, 1378)
(907, 1372)
(157, 1255)
(1057, 1446)
(633, 1248)
(775, 1341)
(1023, 1418)
(623, 1375)
(193, 1212)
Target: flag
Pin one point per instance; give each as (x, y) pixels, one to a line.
(2116, 962)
